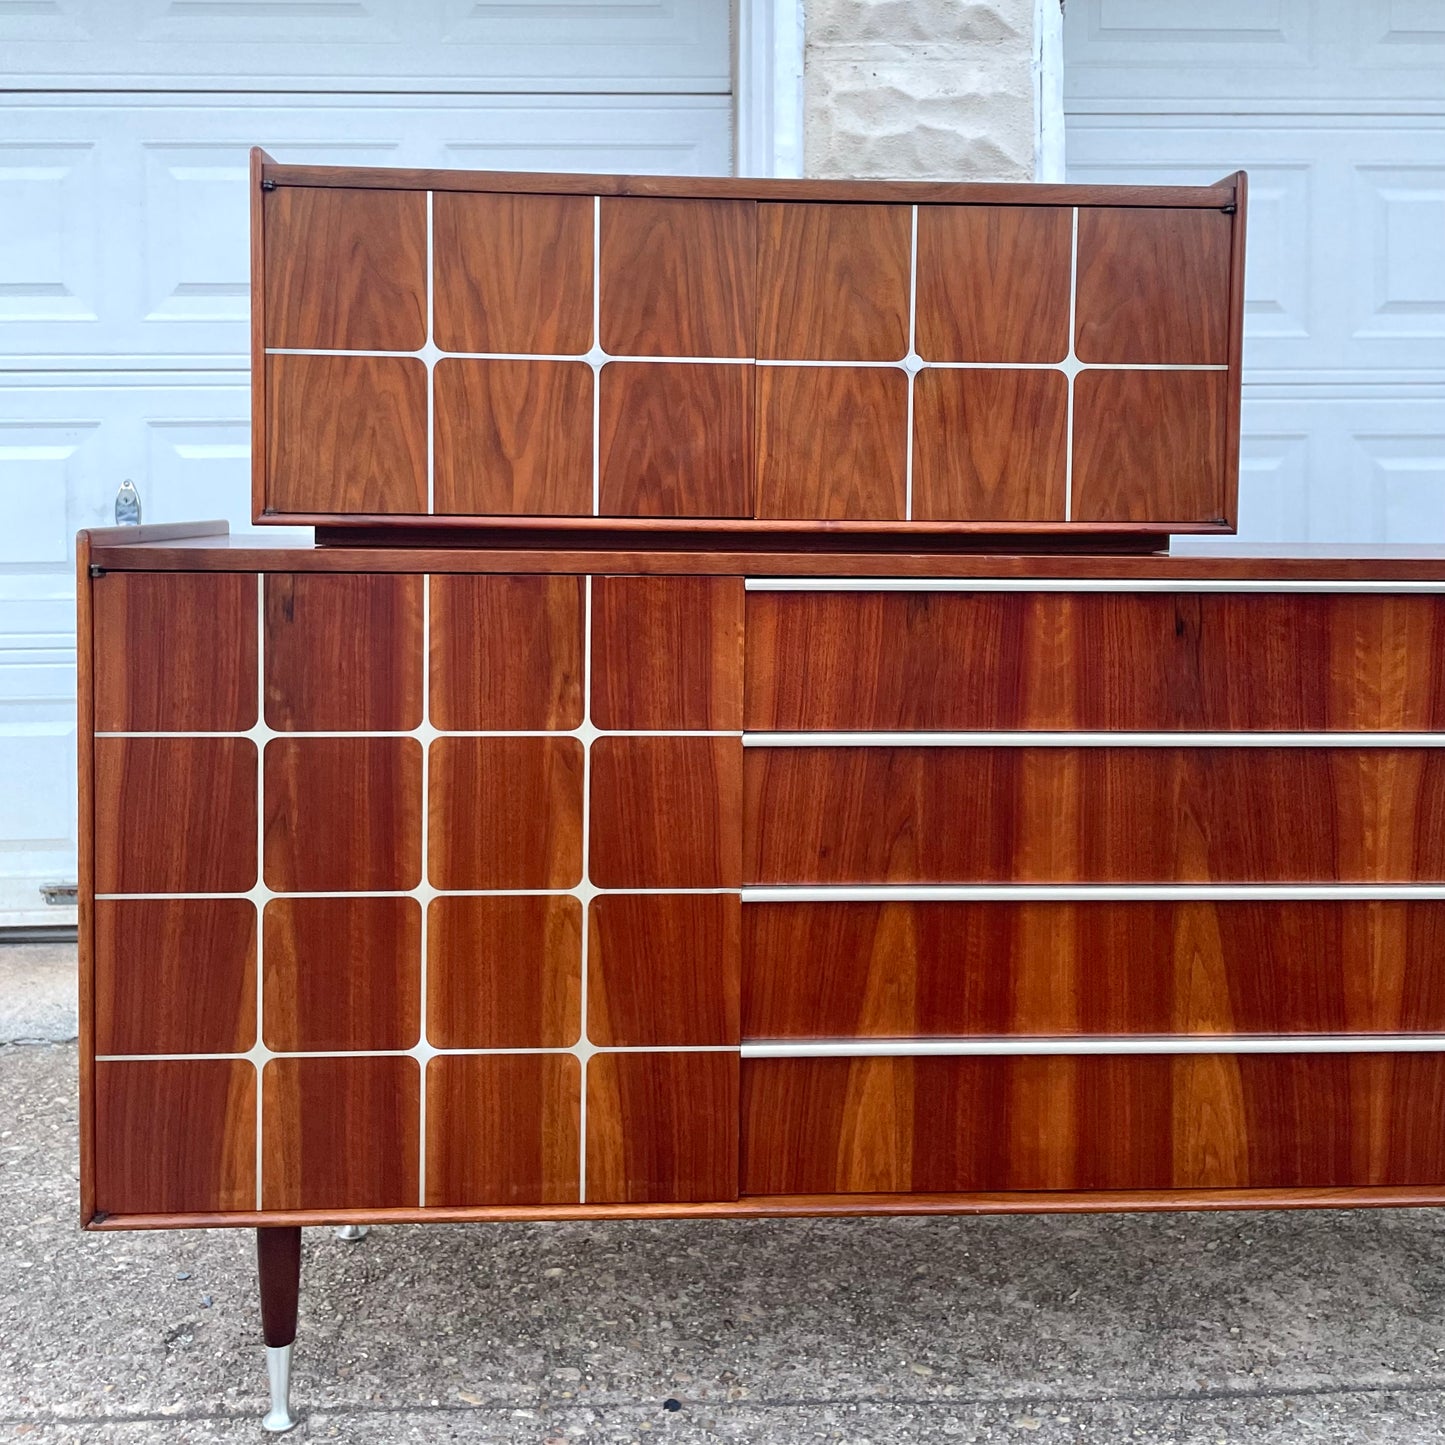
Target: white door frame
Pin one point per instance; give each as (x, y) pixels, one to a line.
(768, 87)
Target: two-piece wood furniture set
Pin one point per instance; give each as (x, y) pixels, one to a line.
(741, 745)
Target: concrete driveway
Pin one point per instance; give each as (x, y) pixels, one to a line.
(1165, 1328)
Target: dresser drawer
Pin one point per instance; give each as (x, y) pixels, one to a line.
(1141, 661)
(911, 969)
(1189, 1121)
(965, 814)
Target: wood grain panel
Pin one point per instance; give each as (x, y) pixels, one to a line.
(504, 972)
(345, 269)
(662, 1127)
(175, 815)
(833, 282)
(666, 812)
(990, 445)
(1149, 446)
(348, 434)
(1061, 1123)
(175, 1136)
(663, 968)
(678, 277)
(340, 1133)
(676, 440)
(503, 1129)
(506, 652)
(513, 273)
(1093, 815)
(832, 442)
(342, 973)
(343, 653)
(343, 814)
(177, 652)
(506, 813)
(513, 437)
(851, 970)
(1131, 661)
(1153, 286)
(993, 283)
(667, 652)
(175, 977)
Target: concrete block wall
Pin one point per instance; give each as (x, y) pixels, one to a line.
(920, 89)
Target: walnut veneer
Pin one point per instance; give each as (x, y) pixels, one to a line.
(498, 349)
(467, 884)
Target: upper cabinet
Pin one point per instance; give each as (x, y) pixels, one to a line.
(497, 350)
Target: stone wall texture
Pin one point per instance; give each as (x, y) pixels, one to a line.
(930, 89)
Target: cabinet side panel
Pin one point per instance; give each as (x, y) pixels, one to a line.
(85, 877)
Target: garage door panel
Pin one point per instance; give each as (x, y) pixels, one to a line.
(52, 262)
(200, 467)
(584, 45)
(1399, 291)
(1274, 51)
(133, 244)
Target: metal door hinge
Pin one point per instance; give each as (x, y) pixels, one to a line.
(60, 895)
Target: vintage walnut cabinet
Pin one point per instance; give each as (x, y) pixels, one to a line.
(452, 347)
(660, 796)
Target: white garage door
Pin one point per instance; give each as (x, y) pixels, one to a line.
(123, 256)
(1337, 110)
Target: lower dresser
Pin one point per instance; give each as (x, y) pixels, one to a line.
(637, 885)
(462, 884)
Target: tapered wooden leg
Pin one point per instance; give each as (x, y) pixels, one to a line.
(278, 1264)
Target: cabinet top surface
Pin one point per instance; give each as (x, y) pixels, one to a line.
(186, 547)
(274, 174)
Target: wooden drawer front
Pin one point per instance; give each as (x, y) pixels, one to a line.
(1092, 814)
(962, 1125)
(917, 970)
(1139, 661)
(492, 956)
